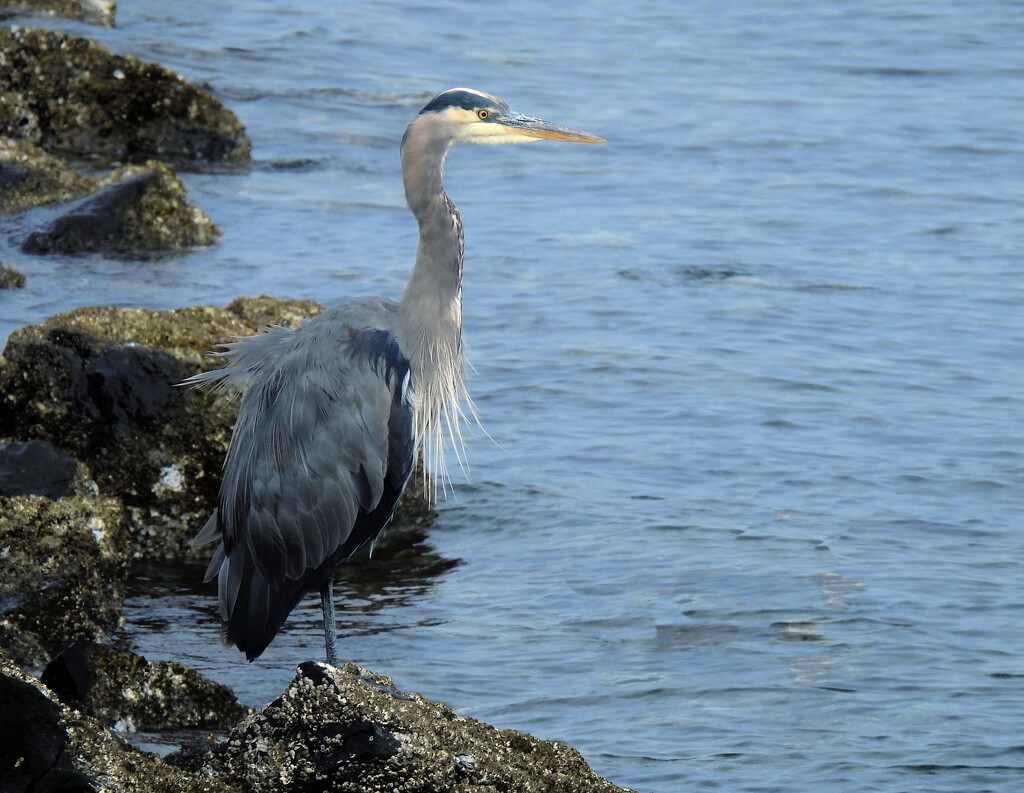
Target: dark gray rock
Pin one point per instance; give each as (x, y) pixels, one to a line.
(72, 95)
(36, 468)
(350, 730)
(48, 747)
(124, 690)
(137, 210)
(33, 743)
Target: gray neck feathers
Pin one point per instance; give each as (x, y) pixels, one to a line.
(431, 307)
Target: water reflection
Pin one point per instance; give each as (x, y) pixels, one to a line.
(169, 601)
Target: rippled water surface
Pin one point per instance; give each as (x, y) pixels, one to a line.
(753, 370)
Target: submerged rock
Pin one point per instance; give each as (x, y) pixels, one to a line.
(136, 210)
(125, 691)
(10, 278)
(102, 384)
(98, 12)
(350, 730)
(74, 96)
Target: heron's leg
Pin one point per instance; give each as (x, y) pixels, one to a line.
(330, 627)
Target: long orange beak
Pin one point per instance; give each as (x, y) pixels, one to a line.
(536, 128)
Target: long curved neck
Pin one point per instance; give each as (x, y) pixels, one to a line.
(431, 307)
(433, 296)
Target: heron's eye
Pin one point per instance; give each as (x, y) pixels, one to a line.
(482, 114)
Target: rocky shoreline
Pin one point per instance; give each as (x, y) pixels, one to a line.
(105, 463)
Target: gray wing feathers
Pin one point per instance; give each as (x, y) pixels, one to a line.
(246, 355)
(309, 455)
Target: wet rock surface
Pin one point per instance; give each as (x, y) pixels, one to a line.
(36, 468)
(137, 210)
(71, 95)
(124, 690)
(99, 12)
(350, 730)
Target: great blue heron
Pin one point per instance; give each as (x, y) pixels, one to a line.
(332, 413)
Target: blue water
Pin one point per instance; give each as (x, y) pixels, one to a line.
(754, 370)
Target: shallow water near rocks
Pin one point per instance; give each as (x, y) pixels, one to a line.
(753, 370)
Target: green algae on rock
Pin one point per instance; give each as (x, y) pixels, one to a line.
(125, 691)
(84, 100)
(351, 730)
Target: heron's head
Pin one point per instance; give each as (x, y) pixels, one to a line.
(468, 116)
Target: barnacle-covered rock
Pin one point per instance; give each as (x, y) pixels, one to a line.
(125, 691)
(72, 95)
(97, 12)
(11, 278)
(351, 730)
(47, 746)
(63, 572)
(31, 177)
(102, 384)
(137, 210)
